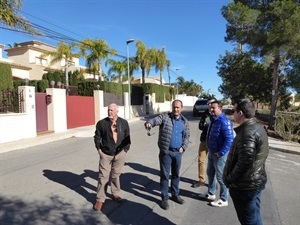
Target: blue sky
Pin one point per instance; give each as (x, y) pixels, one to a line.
(191, 30)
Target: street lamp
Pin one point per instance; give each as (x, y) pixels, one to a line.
(177, 82)
(129, 101)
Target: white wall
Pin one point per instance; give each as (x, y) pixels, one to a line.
(57, 110)
(187, 100)
(16, 126)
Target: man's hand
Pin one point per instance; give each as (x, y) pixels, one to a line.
(148, 126)
(217, 154)
(99, 151)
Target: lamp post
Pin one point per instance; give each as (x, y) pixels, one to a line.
(177, 82)
(129, 100)
(26, 80)
(52, 83)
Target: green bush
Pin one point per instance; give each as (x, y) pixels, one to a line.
(42, 85)
(288, 125)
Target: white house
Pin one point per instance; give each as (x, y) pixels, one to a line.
(26, 62)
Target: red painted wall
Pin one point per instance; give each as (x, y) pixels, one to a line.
(41, 112)
(80, 111)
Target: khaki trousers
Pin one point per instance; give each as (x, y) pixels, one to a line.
(202, 155)
(110, 167)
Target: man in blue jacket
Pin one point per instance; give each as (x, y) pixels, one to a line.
(219, 140)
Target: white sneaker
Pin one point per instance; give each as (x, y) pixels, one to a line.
(219, 203)
(207, 196)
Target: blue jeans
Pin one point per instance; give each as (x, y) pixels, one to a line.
(215, 167)
(247, 206)
(169, 162)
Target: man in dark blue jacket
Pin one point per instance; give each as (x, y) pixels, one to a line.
(219, 139)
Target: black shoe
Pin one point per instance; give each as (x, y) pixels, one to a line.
(178, 199)
(165, 204)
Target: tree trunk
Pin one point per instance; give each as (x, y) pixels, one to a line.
(143, 75)
(274, 93)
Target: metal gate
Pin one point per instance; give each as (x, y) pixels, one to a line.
(41, 112)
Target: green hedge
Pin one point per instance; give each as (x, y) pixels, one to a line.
(163, 93)
(6, 81)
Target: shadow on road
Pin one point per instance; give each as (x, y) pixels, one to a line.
(74, 182)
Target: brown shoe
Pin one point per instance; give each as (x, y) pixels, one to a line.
(117, 198)
(98, 206)
(198, 184)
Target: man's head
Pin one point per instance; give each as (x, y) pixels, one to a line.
(209, 101)
(243, 109)
(112, 111)
(177, 108)
(215, 108)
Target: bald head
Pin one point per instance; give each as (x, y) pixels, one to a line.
(112, 111)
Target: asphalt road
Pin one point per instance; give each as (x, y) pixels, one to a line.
(55, 183)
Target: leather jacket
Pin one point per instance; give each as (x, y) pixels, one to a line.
(203, 124)
(103, 137)
(245, 165)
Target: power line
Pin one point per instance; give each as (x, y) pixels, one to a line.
(52, 24)
(51, 34)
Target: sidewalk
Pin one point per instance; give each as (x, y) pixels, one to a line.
(284, 146)
(87, 131)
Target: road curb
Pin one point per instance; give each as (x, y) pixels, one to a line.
(284, 150)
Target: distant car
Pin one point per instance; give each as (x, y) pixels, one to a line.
(200, 106)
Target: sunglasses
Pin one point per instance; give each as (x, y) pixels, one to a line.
(149, 133)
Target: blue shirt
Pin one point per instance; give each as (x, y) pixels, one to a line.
(176, 138)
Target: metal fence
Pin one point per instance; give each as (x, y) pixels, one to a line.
(11, 101)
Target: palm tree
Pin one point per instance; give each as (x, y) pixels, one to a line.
(168, 65)
(145, 58)
(116, 66)
(133, 66)
(94, 51)
(150, 59)
(9, 16)
(15, 45)
(181, 83)
(141, 51)
(63, 52)
(160, 62)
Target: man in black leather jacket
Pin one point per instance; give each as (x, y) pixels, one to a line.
(244, 173)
